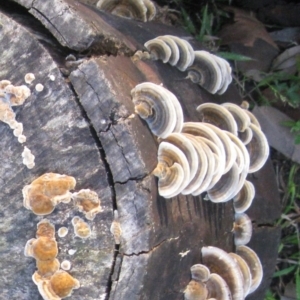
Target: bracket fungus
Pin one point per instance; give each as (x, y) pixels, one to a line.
(217, 288)
(242, 229)
(200, 272)
(28, 158)
(45, 192)
(254, 264)
(172, 170)
(81, 228)
(143, 10)
(243, 200)
(158, 107)
(87, 202)
(210, 72)
(170, 49)
(219, 262)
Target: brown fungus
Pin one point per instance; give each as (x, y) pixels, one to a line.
(87, 202)
(195, 290)
(45, 192)
(81, 228)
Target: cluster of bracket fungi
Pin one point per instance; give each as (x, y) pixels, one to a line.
(143, 10)
(41, 197)
(214, 155)
(208, 70)
(226, 276)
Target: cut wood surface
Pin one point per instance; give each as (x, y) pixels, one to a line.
(84, 125)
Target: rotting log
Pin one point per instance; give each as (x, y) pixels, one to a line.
(82, 125)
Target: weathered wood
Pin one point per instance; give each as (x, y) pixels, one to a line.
(89, 131)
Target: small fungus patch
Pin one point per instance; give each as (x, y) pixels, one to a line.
(39, 87)
(81, 228)
(29, 77)
(45, 192)
(62, 231)
(87, 202)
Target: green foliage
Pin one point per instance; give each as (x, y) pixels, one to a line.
(295, 128)
(233, 56)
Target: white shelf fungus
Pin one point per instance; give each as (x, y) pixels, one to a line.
(207, 156)
(143, 10)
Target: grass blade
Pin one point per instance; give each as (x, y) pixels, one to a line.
(284, 271)
(233, 56)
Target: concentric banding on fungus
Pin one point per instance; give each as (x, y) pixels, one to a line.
(202, 168)
(151, 9)
(258, 149)
(186, 56)
(212, 160)
(205, 72)
(252, 118)
(217, 288)
(240, 116)
(199, 129)
(219, 262)
(159, 49)
(226, 78)
(244, 173)
(217, 115)
(254, 264)
(230, 153)
(172, 170)
(153, 104)
(200, 273)
(186, 146)
(243, 200)
(175, 54)
(224, 188)
(245, 271)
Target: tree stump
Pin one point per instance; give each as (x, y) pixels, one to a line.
(82, 125)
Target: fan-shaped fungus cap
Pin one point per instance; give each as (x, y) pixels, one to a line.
(62, 231)
(43, 248)
(172, 170)
(45, 192)
(200, 272)
(133, 9)
(219, 262)
(45, 228)
(195, 290)
(87, 202)
(202, 168)
(217, 288)
(81, 228)
(158, 50)
(65, 265)
(155, 105)
(245, 136)
(175, 55)
(186, 52)
(199, 129)
(46, 268)
(151, 10)
(245, 271)
(240, 116)
(258, 149)
(242, 229)
(243, 200)
(115, 228)
(186, 146)
(205, 72)
(217, 115)
(225, 187)
(254, 264)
